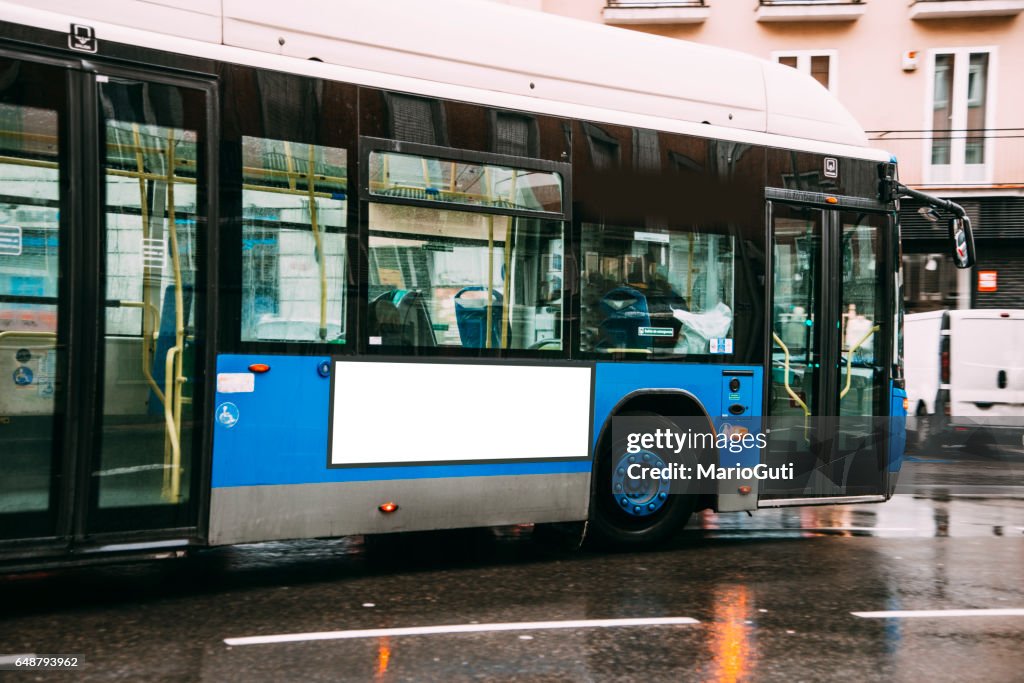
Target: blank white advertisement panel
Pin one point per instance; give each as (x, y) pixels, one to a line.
(439, 412)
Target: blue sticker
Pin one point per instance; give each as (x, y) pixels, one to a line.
(227, 414)
(23, 376)
(720, 345)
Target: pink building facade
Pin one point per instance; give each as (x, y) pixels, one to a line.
(938, 83)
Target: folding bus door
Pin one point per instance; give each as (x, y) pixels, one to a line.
(829, 338)
(35, 311)
(104, 209)
(150, 317)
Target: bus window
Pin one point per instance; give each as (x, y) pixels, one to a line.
(406, 176)
(462, 279)
(656, 291)
(294, 209)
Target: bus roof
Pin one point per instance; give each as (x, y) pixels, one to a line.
(493, 47)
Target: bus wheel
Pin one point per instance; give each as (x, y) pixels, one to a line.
(627, 512)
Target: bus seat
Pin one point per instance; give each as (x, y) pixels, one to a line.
(383, 320)
(414, 319)
(471, 317)
(400, 318)
(625, 312)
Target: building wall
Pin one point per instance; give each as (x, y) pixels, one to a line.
(895, 107)
(870, 79)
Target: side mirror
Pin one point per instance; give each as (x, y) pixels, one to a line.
(962, 236)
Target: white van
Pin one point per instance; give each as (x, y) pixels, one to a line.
(965, 370)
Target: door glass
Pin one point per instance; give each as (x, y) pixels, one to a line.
(828, 358)
(862, 365)
(31, 104)
(152, 297)
(795, 345)
(863, 322)
(796, 250)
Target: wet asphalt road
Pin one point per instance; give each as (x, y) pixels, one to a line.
(772, 595)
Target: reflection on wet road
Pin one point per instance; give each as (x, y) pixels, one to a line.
(773, 597)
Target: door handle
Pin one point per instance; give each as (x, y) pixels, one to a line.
(1001, 379)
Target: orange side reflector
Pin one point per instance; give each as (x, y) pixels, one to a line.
(906, 404)
(387, 507)
(831, 200)
(744, 490)
(259, 367)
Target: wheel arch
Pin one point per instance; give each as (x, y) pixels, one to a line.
(668, 403)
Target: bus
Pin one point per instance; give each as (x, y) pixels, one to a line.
(370, 267)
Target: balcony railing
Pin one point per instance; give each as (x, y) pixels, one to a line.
(809, 10)
(655, 12)
(651, 4)
(958, 9)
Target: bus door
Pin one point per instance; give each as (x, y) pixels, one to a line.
(829, 342)
(103, 210)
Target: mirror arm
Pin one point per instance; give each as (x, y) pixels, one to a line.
(931, 200)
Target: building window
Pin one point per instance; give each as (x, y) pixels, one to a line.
(819, 64)
(959, 116)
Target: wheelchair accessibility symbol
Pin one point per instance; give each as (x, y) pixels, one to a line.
(227, 414)
(23, 376)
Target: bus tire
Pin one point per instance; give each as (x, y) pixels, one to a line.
(612, 525)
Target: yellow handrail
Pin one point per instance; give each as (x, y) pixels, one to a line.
(490, 280)
(147, 336)
(171, 490)
(321, 257)
(290, 163)
(506, 300)
(27, 333)
(849, 359)
(174, 380)
(785, 382)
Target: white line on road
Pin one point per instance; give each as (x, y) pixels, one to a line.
(459, 628)
(929, 613)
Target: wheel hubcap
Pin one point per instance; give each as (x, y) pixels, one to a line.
(639, 495)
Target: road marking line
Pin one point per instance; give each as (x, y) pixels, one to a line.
(459, 628)
(910, 614)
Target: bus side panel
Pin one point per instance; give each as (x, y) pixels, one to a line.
(271, 478)
(707, 383)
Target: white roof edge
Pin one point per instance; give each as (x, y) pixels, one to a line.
(105, 31)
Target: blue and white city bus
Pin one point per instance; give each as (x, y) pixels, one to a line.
(365, 267)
